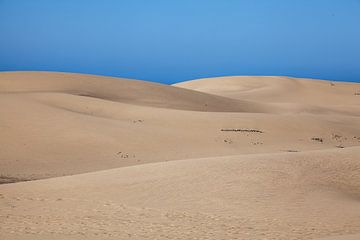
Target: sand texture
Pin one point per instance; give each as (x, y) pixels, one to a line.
(93, 157)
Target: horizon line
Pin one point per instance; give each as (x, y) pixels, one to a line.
(187, 80)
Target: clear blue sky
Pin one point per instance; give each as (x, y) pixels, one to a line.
(175, 40)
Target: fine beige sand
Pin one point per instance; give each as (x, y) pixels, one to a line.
(93, 157)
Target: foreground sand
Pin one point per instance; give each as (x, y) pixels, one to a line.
(223, 158)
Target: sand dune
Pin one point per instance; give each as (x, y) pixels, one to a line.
(222, 158)
(281, 196)
(279, 89)
(121, 90)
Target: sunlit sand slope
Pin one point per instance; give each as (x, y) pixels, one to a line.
(279, 89)
(221, 158)
(49, 128)
(277, 196)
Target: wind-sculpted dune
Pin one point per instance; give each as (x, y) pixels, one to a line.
(92, 157)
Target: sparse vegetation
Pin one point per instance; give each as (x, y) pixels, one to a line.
(123, 155)
(138, 121)
(337, 137)
(242, 130)
(8, 179)
(318, 139)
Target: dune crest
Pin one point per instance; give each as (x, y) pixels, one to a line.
(120, 90)
(278, 89)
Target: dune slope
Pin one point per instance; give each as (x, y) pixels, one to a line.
(221, 158)
(279, 89)
(280, 196)
(48, 130)
(120, 90)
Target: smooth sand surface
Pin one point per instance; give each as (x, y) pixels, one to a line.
(345, 237)
(92, 157)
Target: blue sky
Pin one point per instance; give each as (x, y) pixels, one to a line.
(170, 41)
